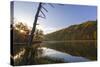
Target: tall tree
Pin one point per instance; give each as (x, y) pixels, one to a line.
(39, 10)
(34, 25)
(30, 51)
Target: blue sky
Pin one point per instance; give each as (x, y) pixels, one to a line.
(61, 16)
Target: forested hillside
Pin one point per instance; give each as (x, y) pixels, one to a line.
(84, 31)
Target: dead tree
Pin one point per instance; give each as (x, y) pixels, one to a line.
(39, 10)
(30, 51)
(34, 25)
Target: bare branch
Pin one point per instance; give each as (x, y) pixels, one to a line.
(45, 9)
(61, 4)
(42, 17)
(43, 14)
(51, 5)
(43, 4)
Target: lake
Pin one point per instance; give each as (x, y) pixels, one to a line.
(84, 48)
(57, 55)
(64, 51)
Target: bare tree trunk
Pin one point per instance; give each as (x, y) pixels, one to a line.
(31, 51)
(34, 25)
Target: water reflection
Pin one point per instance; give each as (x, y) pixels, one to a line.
(19, 55)
(84, 48)
(54, 54)
(64, 51)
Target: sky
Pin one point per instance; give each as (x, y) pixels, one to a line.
(59, 17)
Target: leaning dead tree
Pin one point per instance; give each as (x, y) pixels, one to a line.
(30, 51)
(34, 25)
(39, 11)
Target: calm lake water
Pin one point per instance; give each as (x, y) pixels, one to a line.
(54, 54)
(71, 51)
(77, 51)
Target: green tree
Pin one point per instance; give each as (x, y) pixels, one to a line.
(39, 36)
(20, 33)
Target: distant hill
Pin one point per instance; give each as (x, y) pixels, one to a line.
(84, 31)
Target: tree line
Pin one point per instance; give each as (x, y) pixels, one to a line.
(83, 31)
